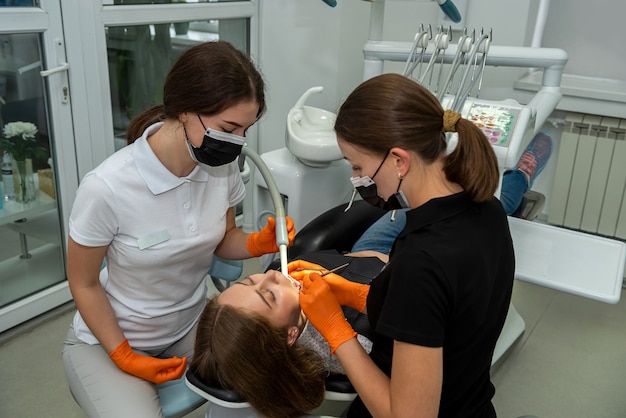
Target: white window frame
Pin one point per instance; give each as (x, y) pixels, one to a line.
(85, 23)
(47, 21)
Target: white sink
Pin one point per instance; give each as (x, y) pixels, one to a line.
(310, 134)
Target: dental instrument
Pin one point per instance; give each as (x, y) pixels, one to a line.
(442, 41)
(415, 59)
(298, 285)
(336, 269)
(464, 47)
(333, 270)
(282, 237)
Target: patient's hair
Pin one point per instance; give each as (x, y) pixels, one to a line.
(391, 110)
(244, 352)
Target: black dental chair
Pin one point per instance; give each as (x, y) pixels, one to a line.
(333, 229)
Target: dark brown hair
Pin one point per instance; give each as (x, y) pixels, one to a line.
(207, 79)
(391, 110)
(244, 352)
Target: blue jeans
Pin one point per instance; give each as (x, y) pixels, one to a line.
(514, 185)
(382, 233)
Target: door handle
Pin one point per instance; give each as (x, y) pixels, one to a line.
(63, 67)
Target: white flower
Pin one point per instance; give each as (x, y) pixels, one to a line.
(25, 130)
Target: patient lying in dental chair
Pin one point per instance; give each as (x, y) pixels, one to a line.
(253, 338)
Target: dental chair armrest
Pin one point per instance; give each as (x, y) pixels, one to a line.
(335, 229)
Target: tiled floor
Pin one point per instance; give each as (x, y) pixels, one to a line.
(570, 362)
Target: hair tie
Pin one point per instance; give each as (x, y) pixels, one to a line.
(450, 118)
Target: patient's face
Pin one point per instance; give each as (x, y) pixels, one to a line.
(270, 294)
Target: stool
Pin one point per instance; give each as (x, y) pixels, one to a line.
(176, 398)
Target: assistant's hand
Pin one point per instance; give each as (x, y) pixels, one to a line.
(323, 310)
(264, 241)
(152, 369)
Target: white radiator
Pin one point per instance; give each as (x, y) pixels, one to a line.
(590, 179)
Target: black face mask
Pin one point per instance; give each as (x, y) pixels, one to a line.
(370, 195)
(366, 187)
(218, 148)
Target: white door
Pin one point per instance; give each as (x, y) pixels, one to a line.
(38, 159)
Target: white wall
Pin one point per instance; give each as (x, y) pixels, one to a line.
(591, 32)
(305, 43)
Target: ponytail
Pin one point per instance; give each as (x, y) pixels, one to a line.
(473, 163)
(141, 122)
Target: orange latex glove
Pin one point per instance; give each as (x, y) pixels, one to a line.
(264, 241)
(299, 269)
(347, 293)
(323, 310)
(152, 369)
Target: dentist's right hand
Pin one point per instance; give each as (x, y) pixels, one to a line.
(348, 293)
(323, 311)
(152, 369)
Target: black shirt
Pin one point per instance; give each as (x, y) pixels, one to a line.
(448, 284)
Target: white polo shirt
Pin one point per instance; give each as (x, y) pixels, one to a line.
(161, 230)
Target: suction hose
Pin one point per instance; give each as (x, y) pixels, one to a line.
(282, 237)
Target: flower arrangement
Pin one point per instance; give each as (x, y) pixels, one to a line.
(19, 141)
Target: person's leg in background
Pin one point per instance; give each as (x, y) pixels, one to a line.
(514, 185)
(518, 181)
(381, 235)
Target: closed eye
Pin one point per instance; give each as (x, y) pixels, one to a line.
(247, 281)
(263, 298)
(272, 295)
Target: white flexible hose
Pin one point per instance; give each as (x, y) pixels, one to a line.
(282, 237)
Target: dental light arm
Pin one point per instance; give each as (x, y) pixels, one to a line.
(282, 237)
(447, 7)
